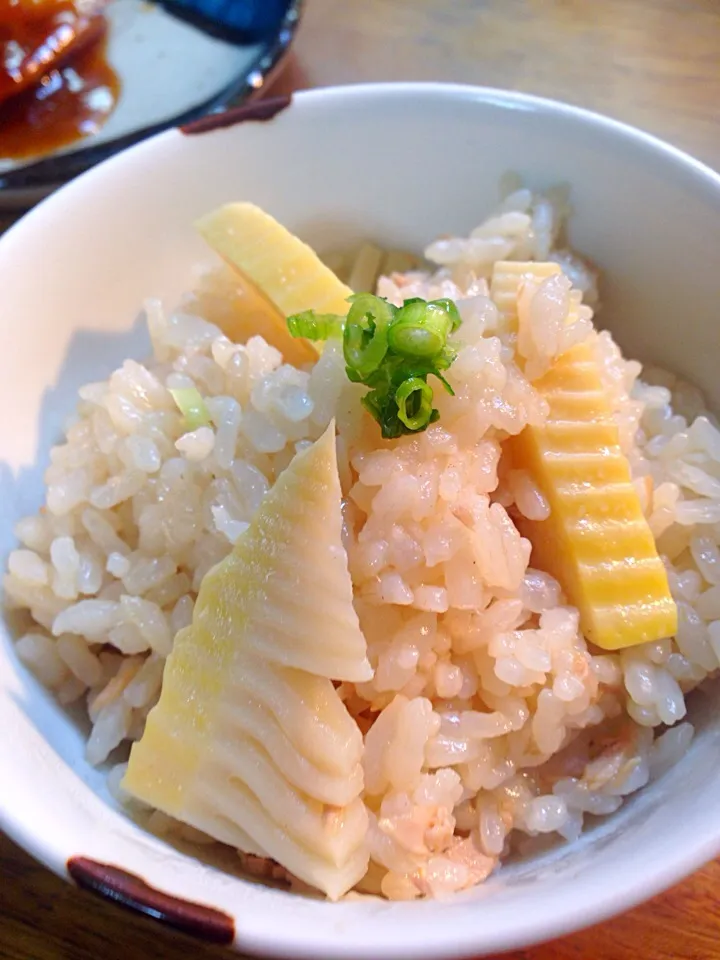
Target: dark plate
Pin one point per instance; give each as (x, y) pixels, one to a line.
(171, 73)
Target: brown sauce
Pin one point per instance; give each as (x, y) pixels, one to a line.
(56, 85)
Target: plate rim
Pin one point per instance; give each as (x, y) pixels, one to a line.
(42, 176)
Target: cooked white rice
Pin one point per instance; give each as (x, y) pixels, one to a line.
(488, 719)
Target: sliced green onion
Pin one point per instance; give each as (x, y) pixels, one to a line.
(452, 311)
(390, 350)
(444, 382)
(414, 403)
(192, 406)
(315, 326)
(443, 360)
(365, 339)
(420, 329)
(382, 408)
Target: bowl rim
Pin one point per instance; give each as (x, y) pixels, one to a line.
(495, 96)
(630, 889)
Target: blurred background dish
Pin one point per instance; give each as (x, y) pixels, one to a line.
(81, 80)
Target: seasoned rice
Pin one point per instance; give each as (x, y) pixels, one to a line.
(489, 719)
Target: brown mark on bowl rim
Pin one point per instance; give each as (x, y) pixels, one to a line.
(132, 892)
(256, 110)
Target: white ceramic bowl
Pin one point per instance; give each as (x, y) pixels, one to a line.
(400, 164)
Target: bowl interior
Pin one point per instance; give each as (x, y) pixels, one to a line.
(399, 165)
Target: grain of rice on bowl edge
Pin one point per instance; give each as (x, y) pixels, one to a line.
(487, 720)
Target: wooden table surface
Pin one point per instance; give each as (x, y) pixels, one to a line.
(654, 63)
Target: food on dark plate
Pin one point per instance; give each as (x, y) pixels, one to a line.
(56, 86)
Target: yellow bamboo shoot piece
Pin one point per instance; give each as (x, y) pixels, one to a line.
(286, 271)
(250, 741)
(241, 311)
(506, 284)
(596, 541)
